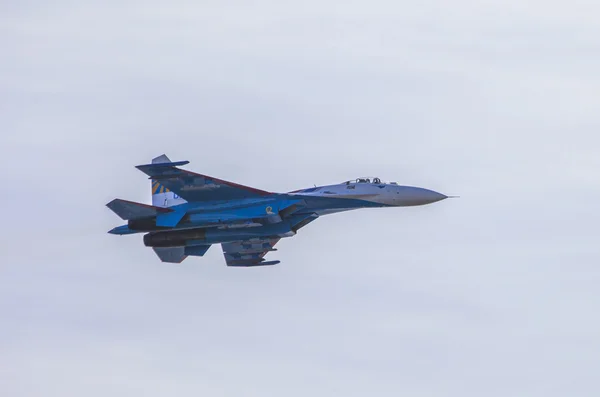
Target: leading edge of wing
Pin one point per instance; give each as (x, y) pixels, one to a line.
(258, 192)
(192, 186)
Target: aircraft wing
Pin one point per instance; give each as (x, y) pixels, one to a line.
(248, 253)
(196, 187)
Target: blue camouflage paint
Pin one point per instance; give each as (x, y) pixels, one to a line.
(246, 221)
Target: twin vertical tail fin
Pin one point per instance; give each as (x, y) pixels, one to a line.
(161, 196)
(162, 199)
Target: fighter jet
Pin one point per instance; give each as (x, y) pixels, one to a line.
(190, 212)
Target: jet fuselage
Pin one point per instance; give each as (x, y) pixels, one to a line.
(192, 211)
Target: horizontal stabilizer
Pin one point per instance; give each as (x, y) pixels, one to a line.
(128, 210)
(178, 254)
(196, 250)
(121, 230)
(170, 255)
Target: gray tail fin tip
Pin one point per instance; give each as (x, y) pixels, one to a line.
(161, 159)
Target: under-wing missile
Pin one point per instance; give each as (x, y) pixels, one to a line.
(251, 263)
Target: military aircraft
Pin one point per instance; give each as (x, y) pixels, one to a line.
(190, 212)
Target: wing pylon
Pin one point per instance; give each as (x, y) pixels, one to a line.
(249, 253)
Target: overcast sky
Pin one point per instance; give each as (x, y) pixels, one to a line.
(494, 294)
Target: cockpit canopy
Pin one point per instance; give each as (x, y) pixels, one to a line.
(368, 179)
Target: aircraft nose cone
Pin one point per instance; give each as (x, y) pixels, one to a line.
(408, 196)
